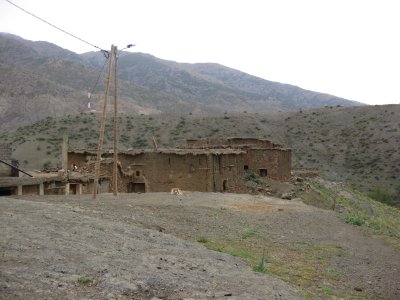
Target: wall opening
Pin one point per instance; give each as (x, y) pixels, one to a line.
(135, 187)
(7, 191)
(263, 172)
(137, 173)
(73, 188)
(225, 185)
(245, 167)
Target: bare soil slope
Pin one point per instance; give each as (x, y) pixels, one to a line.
(144, 245)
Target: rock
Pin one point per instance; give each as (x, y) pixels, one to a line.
(299, 179)
(287, 196)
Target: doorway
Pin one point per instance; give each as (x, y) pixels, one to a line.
(136, 187)
(225, 185)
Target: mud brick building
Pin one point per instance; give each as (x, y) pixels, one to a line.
(12, 182)
(203, 165)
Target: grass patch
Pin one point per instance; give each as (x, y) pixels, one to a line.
(333, 273)
(202, 240)
(262, 265)
(376, 217)
(84, 279)
(248, 234)
(303, 264)
(239, 253)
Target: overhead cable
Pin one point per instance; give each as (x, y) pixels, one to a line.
(56, 27)
(98, 77)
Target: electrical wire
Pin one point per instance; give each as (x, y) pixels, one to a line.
(98, 77)
(56, 27)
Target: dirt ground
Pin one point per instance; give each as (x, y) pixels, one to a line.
(144, 246)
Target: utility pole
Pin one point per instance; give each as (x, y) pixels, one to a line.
(112, 55)
(102, 124)
(115, 171)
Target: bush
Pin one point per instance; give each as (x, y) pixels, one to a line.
(84, 279)
(202, 240)
(355, 219)
(251, 176)
(382, 195)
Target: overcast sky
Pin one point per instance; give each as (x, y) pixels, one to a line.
(348, 48)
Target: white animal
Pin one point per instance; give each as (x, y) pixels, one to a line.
(176, 191)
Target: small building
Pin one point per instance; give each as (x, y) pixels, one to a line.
(14, 181)
(206, 165)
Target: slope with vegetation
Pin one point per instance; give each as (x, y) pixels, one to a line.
(356, 145)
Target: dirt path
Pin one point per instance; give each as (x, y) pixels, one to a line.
(48, 242)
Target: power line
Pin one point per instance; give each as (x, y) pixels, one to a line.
(98, 77)
(56, 27)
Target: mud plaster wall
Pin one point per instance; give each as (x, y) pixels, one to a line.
(277, 162)
(5, 171)
(80, 159)
(5, 154)
(161, 172)
(30, 189)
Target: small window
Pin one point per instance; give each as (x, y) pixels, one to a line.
(246, 167)
(137, 173)
(263, 172)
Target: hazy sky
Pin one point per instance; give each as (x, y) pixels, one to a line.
(348, 48)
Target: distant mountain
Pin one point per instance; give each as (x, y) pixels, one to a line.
(39, 79)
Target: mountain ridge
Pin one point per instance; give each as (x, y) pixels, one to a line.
(147, 84)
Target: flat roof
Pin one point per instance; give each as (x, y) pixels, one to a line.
(222, 151)
(16, 181)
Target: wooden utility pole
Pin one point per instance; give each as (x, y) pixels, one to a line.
(115, 171)
(102, 124)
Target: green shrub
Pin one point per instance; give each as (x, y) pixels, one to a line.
(202, 240)
(355, 219)
(251, 176)
(84, 279)
(382, 195)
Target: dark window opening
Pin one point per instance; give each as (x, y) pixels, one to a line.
(263, 172)
(246, 167)
(137, 173)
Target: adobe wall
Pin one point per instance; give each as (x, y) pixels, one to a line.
(228, 173)
(5, 154)
(30, 189)
(160, 172)
(277, 162)
(80, 159)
